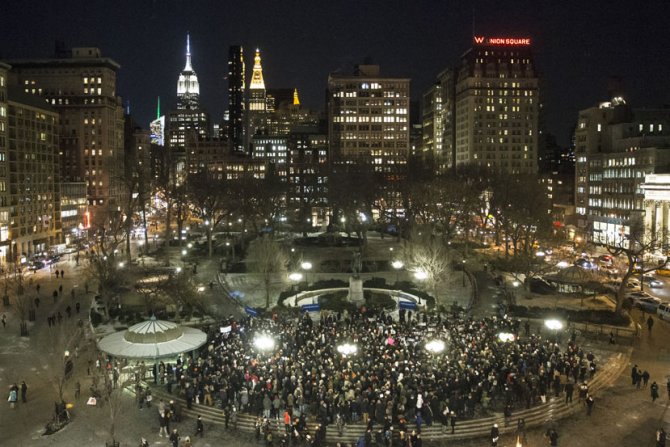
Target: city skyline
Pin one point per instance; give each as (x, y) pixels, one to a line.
(303, 43)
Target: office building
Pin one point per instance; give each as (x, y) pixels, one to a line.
(490, 108)
(617, 147)
(81, 86)
(30, 213)
(368, 119)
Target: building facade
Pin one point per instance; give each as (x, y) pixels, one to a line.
(490, 107)
(81, 86)
(257, 105)
(236, 99)
(617, 147)
(368, 119)
(30, 221)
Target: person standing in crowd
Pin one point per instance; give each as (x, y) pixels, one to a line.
(552, 437)
(174, 438)
(654, 391)
(661, 437)
(495, 435)
(589, 405)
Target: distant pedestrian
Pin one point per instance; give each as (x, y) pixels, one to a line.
(661, 436)
(589, 405)
(645, 379)
(38, 288)
(654, 391)
(60, 290)
(55, 295)
(453, 422)
(24, 391)
(62, 274)
(72, 294)
(37, 302)
(552, 436)
(77, 390)
(77, 307)
(4, 325)
(199, 427)
(650, 323)
(13, 396)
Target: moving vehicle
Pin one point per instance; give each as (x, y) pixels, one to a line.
(663, 271)
(652, 282)
(648, 304)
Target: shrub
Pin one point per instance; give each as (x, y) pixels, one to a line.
(376, 282)
(379, 301)
(336, 302)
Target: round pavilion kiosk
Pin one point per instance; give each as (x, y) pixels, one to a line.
(152, 339)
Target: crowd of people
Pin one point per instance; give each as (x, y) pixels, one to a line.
(392, 379)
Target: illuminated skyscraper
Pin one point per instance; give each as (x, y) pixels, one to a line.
(188, 88)
(490, 107)
(257, 109)
(236, 103)
(188, 118)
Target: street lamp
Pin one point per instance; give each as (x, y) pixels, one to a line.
(421, 275)
(506, 337)
(463, 262)
(306, 266)
(296, 277)
(347, 349)
(121, 264)
(263, 342)
(397, 265)
(554, 325)
(435, 346)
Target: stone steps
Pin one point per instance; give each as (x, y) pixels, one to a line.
(553, 410)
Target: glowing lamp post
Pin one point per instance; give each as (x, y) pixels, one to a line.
(397, 265)
(347, 349)
(435, 346)
(264, 342)
(295, 277)
(306, 266)
(554, 325)
(506, 337)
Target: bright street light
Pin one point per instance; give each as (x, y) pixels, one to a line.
(562, 264)
(553, 324)
(178, 269)
(264, 342)
(397, 265)
(306, 265)
(506, 336)
(183, 252)
(121, 264)
(435, 346)
(347, 349)
(421, 275)
(295, 276)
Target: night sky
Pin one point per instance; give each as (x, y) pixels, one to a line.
(578, 45)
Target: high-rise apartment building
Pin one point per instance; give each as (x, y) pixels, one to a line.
(490, 107)
(236, 100)
(432, 122)
(368, 119)
(616, 148)
(81, 86)
(30, 214)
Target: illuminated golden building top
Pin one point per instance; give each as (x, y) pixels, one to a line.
(257, 82)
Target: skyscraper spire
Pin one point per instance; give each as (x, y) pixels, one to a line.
(188, 89)
(257, 82)
(296, 99)
(188, 53)
(158, 108)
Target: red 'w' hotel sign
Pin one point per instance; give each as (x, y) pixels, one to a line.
(481, 40)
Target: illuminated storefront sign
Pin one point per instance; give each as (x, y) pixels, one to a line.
(481, 40)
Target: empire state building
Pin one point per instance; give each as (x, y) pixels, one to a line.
(189, 120)
(188, 89)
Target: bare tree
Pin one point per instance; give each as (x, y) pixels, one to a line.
(14, 278)
(210, 200)
(634, 246)
(61, 342)
(269, 259)
(429, 256)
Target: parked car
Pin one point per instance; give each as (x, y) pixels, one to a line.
(586, 264)
(37, 265)
(663, 271)
(648, 304)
